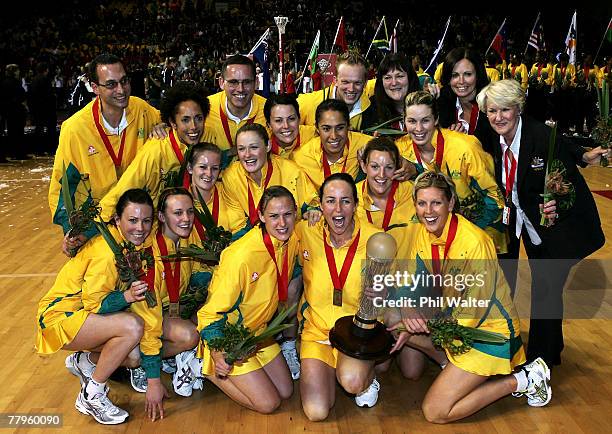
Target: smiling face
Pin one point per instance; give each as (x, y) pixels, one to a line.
(205, 171)
(504, 120)
(188, 123)
(279, 217)
(177, 217)
(333, 129)
(379, 171)
(338, 207)
(135, 222)
(252, 151)
(238, 82)
(420, 124)
(350, 82)
(433, 208)
(395, 83)
(118, 97)
(285, 124)
(463, 79)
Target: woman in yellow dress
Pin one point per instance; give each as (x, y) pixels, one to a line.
(253, 275)
(84, 310)
(331, 253)
(461, 157)
(448, 245)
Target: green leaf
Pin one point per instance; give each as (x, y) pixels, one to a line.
(66, 192)
(204, 216)
(379, 126)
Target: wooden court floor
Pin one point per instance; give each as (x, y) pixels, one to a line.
(31, 384)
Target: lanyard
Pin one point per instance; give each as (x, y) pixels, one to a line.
(326, 169)
(172, 278)
(226, 127)
(253, 215)
(109, 148)
(339, 280)
(276, 149)
(435, 252)
(388, 208)
(180, 157)
(283, 276)
(510, 173)
(215, 216)
(439, 151)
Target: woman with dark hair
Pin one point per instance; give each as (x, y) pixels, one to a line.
(252, 277)
(463, 76)
(184, 108)
(85, 312)
(395, 78)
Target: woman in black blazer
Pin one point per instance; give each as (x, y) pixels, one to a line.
(567, 237)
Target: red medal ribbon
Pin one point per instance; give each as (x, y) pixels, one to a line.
(540, 66)
(513, 68)
(435, 253)
(388, 208)
(283, 276)
(181, 158)
(326, 168)
(215, 215)
(253, 215)
(439, 150)
(510, 174)
(562, 72)
(473, 118)
(226, 127)
(339, 281)
(172, 278)
(276, 149)
(109, 148)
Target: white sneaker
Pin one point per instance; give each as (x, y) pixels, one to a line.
(138, 379)
(291, 357)
(184, 377)
(198, 384)
(169, 365)
(368, 397)
(78, 364)
(538, 391)
(100, 407)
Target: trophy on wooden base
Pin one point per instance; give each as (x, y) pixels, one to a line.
(362, 336)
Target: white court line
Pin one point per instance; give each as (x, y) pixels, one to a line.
(25, 275)
(24, 179)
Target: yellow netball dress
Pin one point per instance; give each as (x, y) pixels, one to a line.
(306, 132)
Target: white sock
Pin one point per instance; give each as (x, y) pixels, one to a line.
(94, 388)
(521, 381)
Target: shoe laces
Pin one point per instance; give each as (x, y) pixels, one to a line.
(103, 404)
(291, 356)
(139, 374)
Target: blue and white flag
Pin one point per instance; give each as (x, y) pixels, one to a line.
(260, 53)
(437, 51)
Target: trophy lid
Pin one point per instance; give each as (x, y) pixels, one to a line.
(381, 246)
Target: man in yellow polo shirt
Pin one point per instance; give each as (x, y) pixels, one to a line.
(99, 142)
(236, 105)
(348, 87)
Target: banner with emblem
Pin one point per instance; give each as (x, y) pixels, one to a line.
(327, 63)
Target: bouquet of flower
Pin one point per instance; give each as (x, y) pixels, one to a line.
(192, 299)
(555, 186)
(178, 178)
(240, 343)
(602, 133)
(128, 261)
(81, 218)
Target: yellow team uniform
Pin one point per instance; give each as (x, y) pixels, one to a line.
(317, 313)
(213, 127)
(537, 71)
(403, 213)
(568, 74)
(88, 163)
(284, 172)
(310, 101)
(603, 74)
(244, 290)
(438, 73)
(472, 253)
(310, 158)
(493, 74)
(519, 71)
(370, 87)
(151, 341)
(306, 133)
(156, 159)
(472, 171)
(86, 284)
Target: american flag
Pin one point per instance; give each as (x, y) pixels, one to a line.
(536, 39)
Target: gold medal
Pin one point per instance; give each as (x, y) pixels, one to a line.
(337, 297)
(174, 310)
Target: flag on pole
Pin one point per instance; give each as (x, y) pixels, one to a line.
(393, 39)
(314, 51)
(382, 43)
(570, 41)
(340, 39)
(536, 39)
(609, 31)
(260, 53)
(437, 50)
(499, 41)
